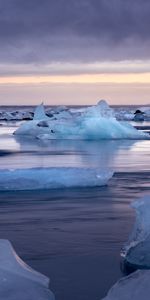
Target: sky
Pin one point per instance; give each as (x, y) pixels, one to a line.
(74, 51)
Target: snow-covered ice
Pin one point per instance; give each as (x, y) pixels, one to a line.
(49, 178)
(94, 123)
(137, 250)
(17, 280)
(133, 287)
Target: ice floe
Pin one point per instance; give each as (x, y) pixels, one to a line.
(50, 178)
(17, 280)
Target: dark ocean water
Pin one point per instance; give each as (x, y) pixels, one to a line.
(73, 236)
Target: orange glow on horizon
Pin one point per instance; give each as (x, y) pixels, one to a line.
(142, 78)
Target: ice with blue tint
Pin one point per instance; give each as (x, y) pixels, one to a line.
(137, 250)
(39, 113)
(133, 287)
(102, 109)
(17, 280)
(94, 123)
(33, 128)
(50, 178)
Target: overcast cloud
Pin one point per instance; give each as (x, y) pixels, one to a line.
(46, 31)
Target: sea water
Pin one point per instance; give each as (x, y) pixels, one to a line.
(73, 236)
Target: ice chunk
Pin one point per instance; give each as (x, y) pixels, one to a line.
(124, 115)
(33, 128)
(138, 115)
(95, 128)
(17, 280)
(39, 113)
(39, 178)
(146, 111)
(133, 287)
(137, 250)
(103, 104)
(16, 115)
(139, 118)
(7, 116)
(95, 123)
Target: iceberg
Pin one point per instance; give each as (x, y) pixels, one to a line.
(94, 123)
(51, 178)
(17, 280)
(136, 251)
(133, 287)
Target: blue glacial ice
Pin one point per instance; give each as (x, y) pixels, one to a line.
(93, 123)
(133, 287)
(39, 113)
(17, 280)
(51, 178)
(136, 251)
